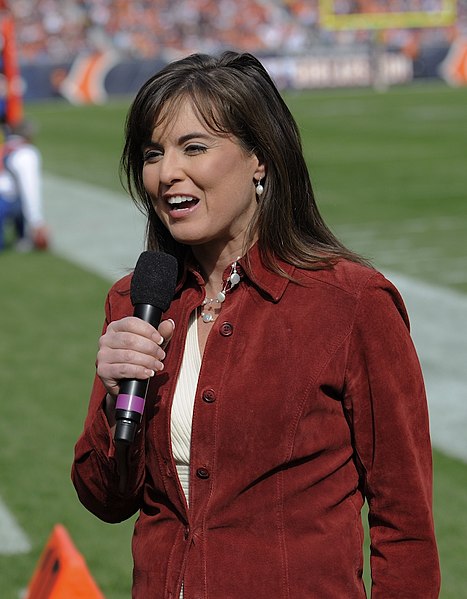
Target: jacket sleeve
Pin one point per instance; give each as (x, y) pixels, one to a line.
(386, 400)
(95, 472)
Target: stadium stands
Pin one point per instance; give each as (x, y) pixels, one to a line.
(57, 30)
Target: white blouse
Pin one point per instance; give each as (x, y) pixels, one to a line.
(182, 407)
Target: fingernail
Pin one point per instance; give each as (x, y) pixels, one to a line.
(173, 323)
(150, 373)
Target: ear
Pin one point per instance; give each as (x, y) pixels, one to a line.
(260, 171)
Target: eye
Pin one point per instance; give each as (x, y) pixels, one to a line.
(195, 149)
(151, 155)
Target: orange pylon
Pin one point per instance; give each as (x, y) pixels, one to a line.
(11, 73)
(61, 572)
(454, 67)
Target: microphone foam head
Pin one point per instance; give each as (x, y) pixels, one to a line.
(154, 280)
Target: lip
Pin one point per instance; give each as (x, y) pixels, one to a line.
(174, 203)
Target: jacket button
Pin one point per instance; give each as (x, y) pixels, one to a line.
(202, 473)
(209, 396)
(226, 329)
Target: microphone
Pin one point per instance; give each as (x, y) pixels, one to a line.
(152, 289)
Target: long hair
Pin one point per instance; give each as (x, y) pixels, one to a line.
(234, 95)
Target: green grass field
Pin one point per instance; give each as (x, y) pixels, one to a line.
(391, 179)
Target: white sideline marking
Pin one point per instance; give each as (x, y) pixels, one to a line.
(13, 539)
(93, 227)
(438, 321)
(410, 241)
(103, 232)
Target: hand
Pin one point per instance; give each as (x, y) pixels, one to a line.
(40, 237)
(131, 348)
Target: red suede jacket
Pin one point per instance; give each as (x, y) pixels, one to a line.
(310, 398)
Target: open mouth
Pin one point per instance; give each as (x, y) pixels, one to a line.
(182, 202)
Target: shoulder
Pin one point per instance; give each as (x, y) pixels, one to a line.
(344, 277)
(118, 304)
(354, 285)
(21, 155)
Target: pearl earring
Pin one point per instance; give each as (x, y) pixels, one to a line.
(259, 188)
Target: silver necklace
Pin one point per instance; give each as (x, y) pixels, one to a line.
(232, 280)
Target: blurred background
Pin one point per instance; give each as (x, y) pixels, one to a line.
(379, 89)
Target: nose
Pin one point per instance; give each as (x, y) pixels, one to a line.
(171, 169)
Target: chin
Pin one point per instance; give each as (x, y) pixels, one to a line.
(192, 238)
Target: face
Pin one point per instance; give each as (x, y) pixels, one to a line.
(202, 184)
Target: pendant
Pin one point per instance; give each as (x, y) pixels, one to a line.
(234, 279)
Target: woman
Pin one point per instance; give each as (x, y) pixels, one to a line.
(287, 389)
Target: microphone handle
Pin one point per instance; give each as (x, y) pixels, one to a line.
(129, 407)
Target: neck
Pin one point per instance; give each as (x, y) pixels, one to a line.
(213, 265)
(211, 305)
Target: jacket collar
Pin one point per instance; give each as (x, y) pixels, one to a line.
(251, 266)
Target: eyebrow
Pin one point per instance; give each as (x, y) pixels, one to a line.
(184, 138)
(188, 136)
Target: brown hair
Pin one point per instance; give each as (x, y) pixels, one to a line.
(234, 94)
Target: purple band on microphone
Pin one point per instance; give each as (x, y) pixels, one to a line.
(131, 403)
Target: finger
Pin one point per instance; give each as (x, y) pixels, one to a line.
(117, 372)
(127, 341)
(165, 330)
(113, 359)
(112, 375)
(132, 324)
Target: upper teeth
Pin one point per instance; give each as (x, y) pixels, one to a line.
(179, 199)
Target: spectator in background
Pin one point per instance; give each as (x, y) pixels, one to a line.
(55, 31)
(21, 189)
